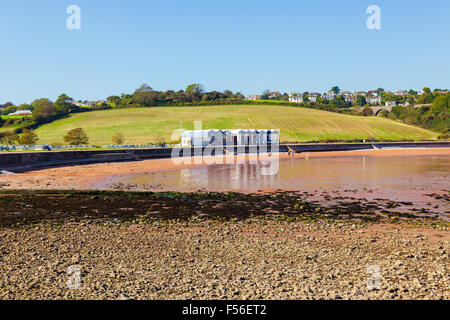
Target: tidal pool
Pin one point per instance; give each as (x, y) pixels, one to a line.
(422, 180)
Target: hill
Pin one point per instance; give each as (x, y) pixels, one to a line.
(155, 125)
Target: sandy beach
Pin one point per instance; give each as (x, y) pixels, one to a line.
(88, 176)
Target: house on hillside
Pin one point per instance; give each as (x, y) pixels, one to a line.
(313, 96)
(350, 99)
(346, 94)
(330, 95)
(401, 92)
(390, 103)
(295, 97)
(21, 113)
(253, 97)
(79, 103)
(374, 100)
(274, 95)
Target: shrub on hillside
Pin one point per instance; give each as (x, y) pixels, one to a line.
(28, 137)
(118, 138)
(367, 112)
(76, 137)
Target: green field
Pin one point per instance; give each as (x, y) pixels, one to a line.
(155, 125)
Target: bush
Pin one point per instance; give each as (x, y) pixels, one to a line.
(367, 112)
(118, 138)
(76, 137)
(28, 137)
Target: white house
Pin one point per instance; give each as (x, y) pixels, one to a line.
(241, 137)
(350, 99)
(313, 96)
(375, 100)
(390, 103)
(298, 98)
(401, 92)
(346, 94)
(330, 95)
(21, 113)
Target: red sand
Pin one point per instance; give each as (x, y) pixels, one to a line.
(86, 176)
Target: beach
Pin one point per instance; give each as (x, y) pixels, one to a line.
(128, 241)
(92, 176)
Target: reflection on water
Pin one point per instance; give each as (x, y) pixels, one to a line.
(400, 178)
(299, 173)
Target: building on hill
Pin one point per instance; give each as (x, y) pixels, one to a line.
(236, 137)
(374, 100)
(295, 97)
(21, 113)
(330, 95)
(79, 103)
(346, 94)
(274, 95)
(390, 103)
(350, 99)
(401, 92)
(313, 96)
(253, 97)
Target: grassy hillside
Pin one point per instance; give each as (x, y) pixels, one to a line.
(154, 125)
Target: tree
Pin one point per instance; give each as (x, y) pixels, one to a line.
(76, 137)
(25, 107)
(146, 98)
(265, 95)
(228, 93)
(144, 88)
(8, 138)
(114, 99)
(361, 100)
(380, 91)
(9, 110)
(240, 96)
(367, 112)
(305, 97)
(28, 137)
(44, 111)
(195, 88)
(64, 103)
(336, 89)
(118, 138)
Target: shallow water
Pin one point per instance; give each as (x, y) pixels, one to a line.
(397, 178)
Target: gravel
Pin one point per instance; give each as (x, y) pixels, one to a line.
(208, 259)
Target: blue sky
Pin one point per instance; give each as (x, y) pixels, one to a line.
(245, 45)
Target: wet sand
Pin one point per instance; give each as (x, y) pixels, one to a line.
(97, 176)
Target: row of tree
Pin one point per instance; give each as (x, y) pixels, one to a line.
(146, 96)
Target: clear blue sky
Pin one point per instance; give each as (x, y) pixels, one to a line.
(243, 45)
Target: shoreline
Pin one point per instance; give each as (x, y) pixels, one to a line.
(80, 177)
